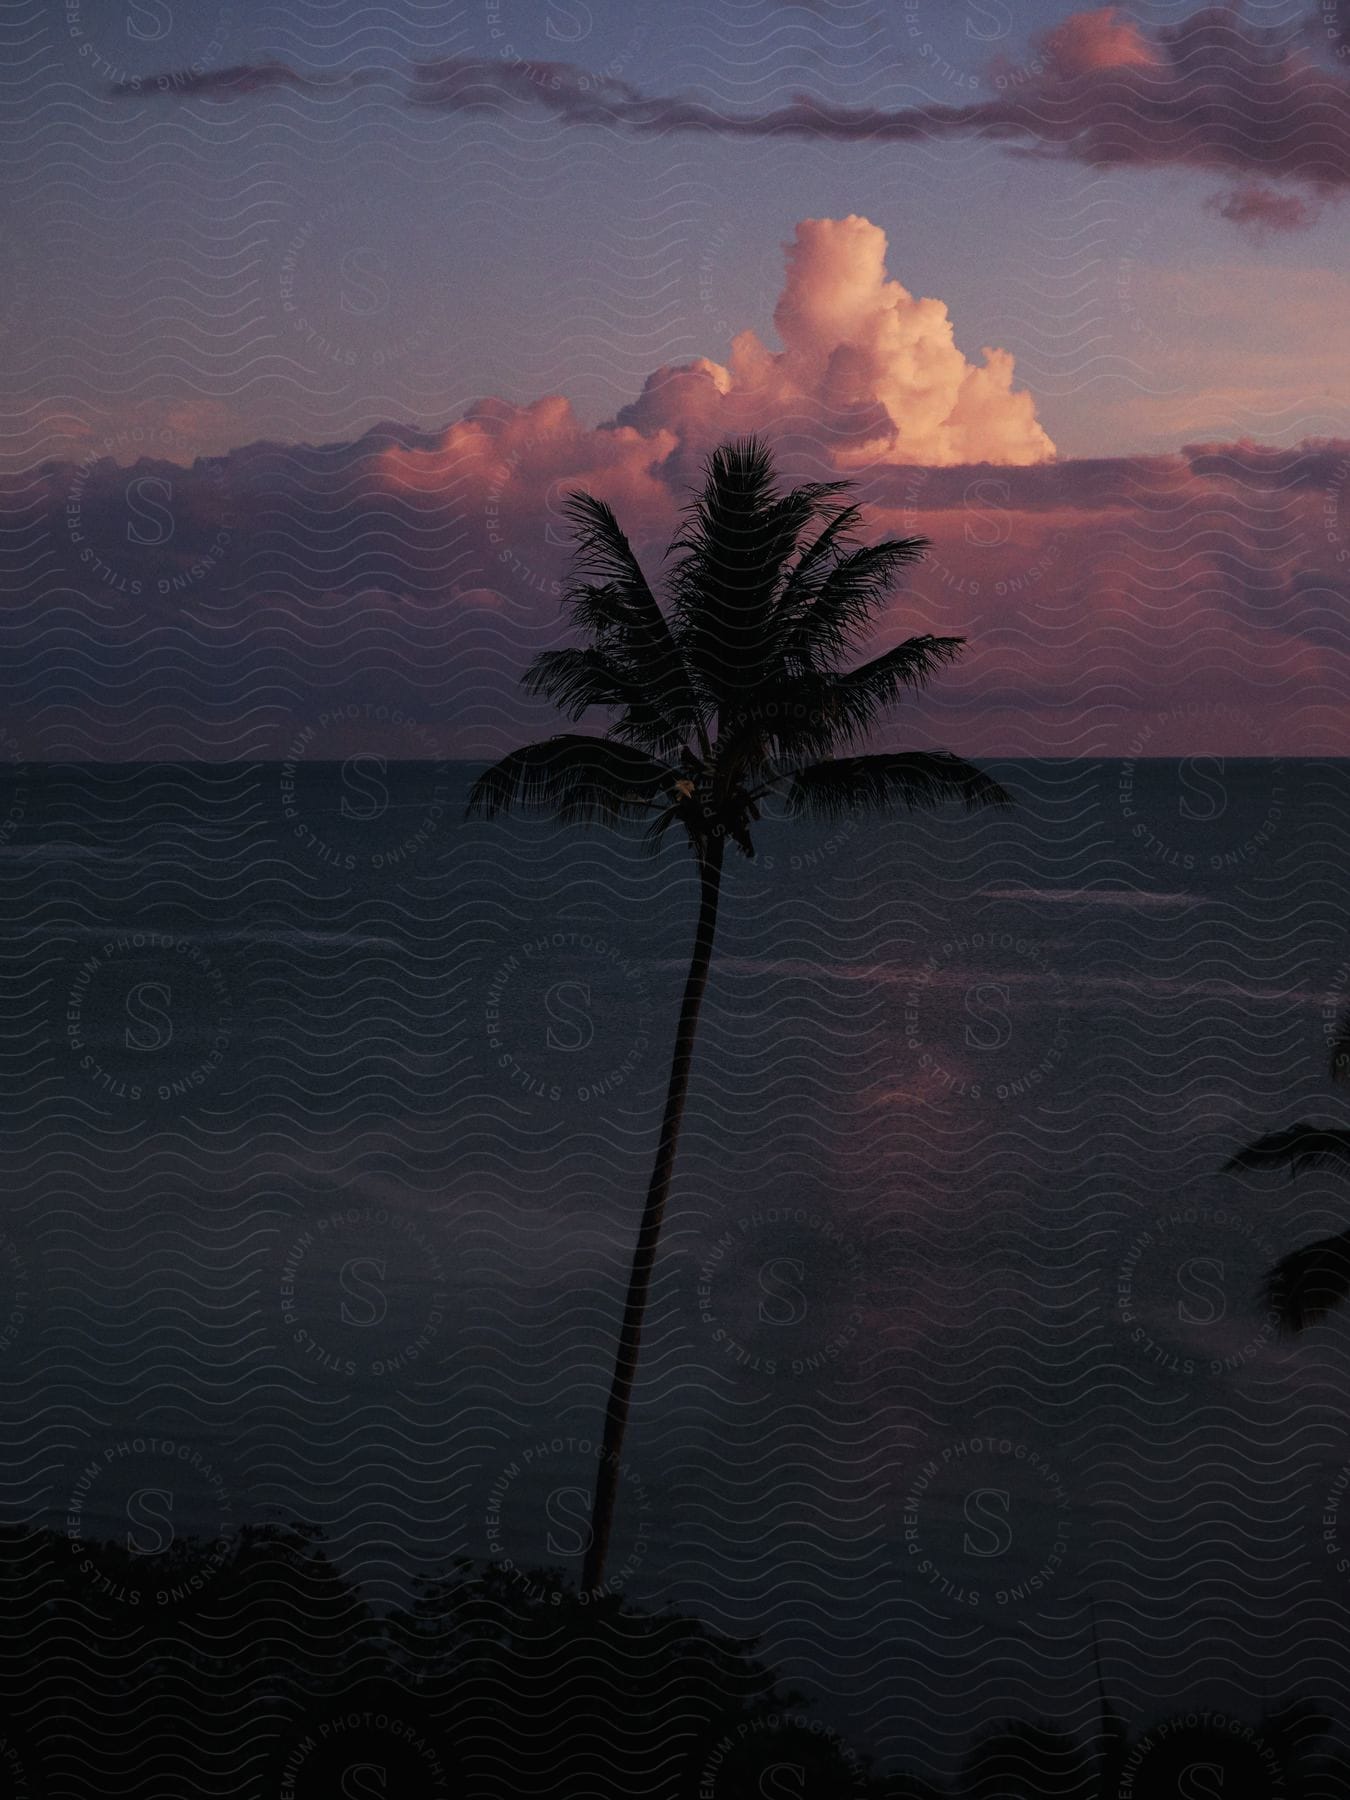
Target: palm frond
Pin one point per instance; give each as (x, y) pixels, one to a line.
(1295, 1148)
(918, 780)
(602, 555)
(815, 562)
(852, 701)
(576, 778)
(577, 679)
(912, 665)
(813, 714)
(733, 553)
(611, 601)
(847, 600)
(816, 715)
(654, 836)
(1306, 1285)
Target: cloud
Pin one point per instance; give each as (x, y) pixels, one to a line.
(1194, 602)
(868, 377)
(169, 603)
(231, 82)
(1201, 596)
(1261, 209)
(867, 370)
(1212, 92)
(1088, 42)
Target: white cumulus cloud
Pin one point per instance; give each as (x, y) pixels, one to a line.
(868, 370)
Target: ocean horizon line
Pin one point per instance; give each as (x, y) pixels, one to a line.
(474, 762)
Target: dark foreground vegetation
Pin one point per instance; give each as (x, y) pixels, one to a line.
(252, 1667)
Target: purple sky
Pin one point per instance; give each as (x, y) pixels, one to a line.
(517, 241)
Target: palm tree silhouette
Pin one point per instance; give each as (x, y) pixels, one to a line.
(732, 693)
(1311, 1281)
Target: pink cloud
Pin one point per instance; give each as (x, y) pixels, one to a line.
(1261, 209)
(1213, 92)
(1095, 591)
(1088, 42)
(1193, 602)
(1168, 605)
(868, 375)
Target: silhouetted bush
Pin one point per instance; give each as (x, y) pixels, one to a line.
(252, 1667)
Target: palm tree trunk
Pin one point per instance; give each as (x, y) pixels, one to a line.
(649, 1232)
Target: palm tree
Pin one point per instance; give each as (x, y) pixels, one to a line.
(732, 693)
(1313, 1280)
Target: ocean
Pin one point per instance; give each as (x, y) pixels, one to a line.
(328, 1119)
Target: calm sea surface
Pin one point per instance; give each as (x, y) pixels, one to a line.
(328, 1119)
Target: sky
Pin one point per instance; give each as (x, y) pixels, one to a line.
(409, 273)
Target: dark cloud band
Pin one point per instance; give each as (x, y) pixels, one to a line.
(1211, 92)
